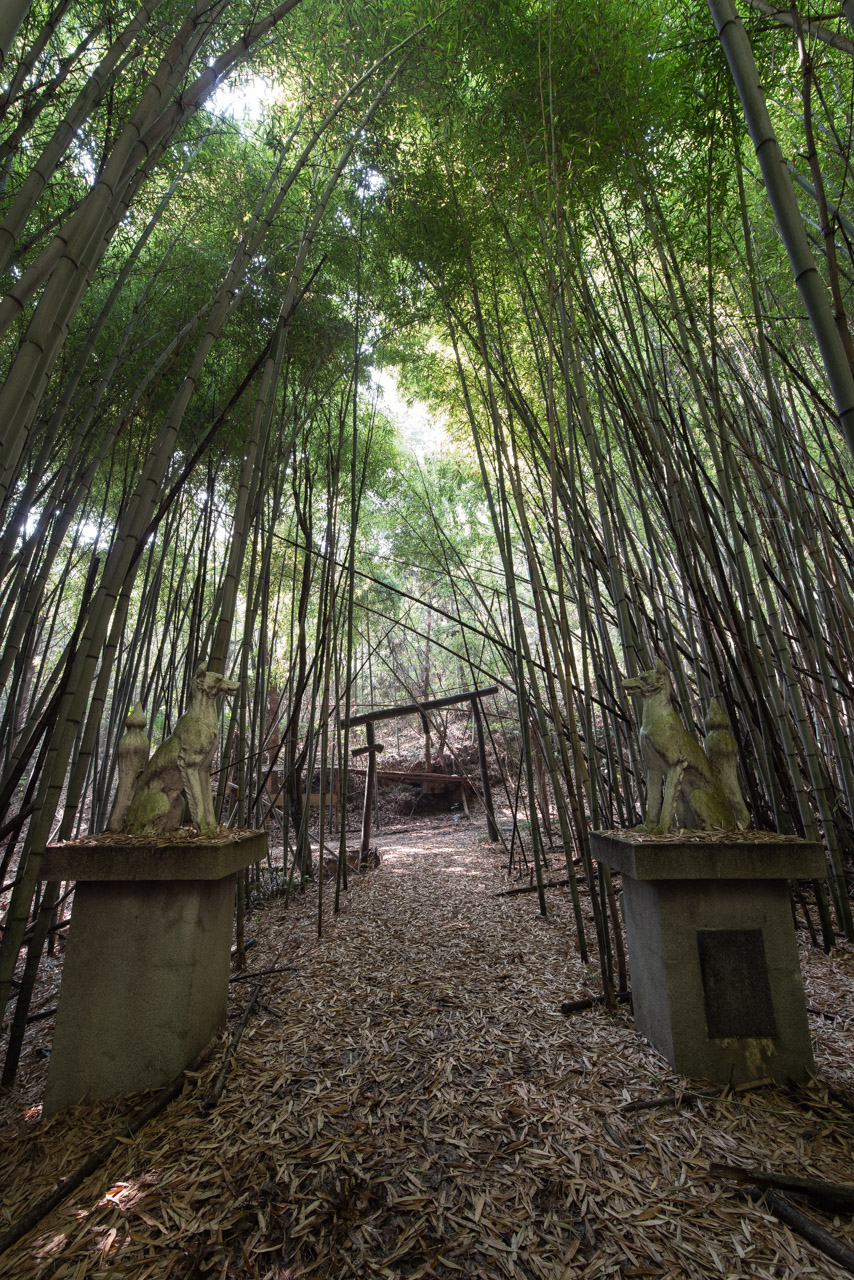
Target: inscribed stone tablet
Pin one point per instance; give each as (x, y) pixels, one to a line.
(736, 989)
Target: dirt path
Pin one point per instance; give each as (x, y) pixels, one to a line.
(408, 1101)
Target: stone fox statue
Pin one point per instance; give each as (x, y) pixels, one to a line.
(180, 764)
(722, 753)
(681, 781)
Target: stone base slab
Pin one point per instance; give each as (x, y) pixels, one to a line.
(145, 975)
(756, 855)
(119, 857)
(716, 983)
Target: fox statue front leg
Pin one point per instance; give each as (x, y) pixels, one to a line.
(197, 789)
(654, 787)
(671, 793)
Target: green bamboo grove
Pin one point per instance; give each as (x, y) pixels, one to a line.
(610, 247)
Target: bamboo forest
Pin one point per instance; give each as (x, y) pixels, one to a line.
(426, 634)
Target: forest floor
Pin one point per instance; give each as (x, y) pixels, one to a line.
(408, 1101)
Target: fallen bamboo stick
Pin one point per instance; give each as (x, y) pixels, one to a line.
(806, 1227)
(214, 1093)
(666, 1100)
(532, 888)
(840, 1094)
(34, 1017)
(247, 946)
(676, 1099)
(578, 1006)
(838, 1194)
(259, 973)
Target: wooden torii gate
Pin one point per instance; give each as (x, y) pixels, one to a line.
(369, 719)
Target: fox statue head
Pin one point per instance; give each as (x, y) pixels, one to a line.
(210, 684)
(647, 683)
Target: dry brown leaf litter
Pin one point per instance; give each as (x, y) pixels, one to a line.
(637, 835)
(189, 836)
(409, 1102)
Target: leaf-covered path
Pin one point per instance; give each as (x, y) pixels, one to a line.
(407, 1100)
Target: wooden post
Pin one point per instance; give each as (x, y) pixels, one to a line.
(491, 824)
(428, 760)
(370, 782)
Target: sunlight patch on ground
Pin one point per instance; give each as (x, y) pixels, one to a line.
(397, 858)
(410, 850)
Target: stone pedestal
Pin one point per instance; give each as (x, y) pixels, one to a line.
(716, 984)
(145, 976)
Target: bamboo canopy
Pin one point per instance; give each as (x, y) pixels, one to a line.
(603, 251)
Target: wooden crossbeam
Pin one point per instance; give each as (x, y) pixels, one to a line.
(414, 708)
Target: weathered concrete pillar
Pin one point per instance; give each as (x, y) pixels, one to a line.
(145, 976)
(716, 984)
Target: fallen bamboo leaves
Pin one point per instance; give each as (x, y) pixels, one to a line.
(408, 1101)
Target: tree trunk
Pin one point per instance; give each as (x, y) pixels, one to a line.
(12, 14)
(739, 55)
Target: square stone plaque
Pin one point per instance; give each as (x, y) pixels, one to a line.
(716, 985)
(736, 991)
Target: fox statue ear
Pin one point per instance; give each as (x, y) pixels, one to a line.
(660, 667)
(201, 669)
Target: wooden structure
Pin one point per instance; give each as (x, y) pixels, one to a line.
(454, 785)
(431, 783)
(333, 792)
